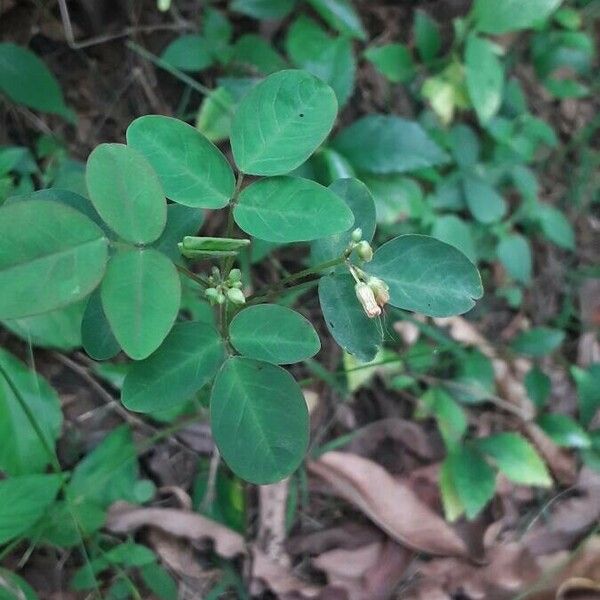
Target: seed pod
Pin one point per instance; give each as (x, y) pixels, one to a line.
(366, 297)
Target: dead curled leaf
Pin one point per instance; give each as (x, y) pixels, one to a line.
(372, 571)
(126, 518)
(389, 503)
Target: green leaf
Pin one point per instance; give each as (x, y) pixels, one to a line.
(588, 391)
(496, 17)
(259, 420)
(191, 169)
(538, 341)
(450, 417)
(564, 431)
(252, 50)
(108, 473)
(264, 9)
(50, 256)
(455, 231)
(340, 15)
(556, 226)
(22, 452)
(218, 31)
(346, 320)
(475, 381)
(24, 501)
(485, 77)
(189, 53)
(516, 458)
(182, 221)
(159, 582)
(25, 79)
(427, 276)
(394, 61)
(474, 480)
(465, 146)
(126, 192)
(538, 386)
(291, 209)
(514, 252)
(427, 36)
(141, 295)
(59, 329)
(484, 202)
(214, 117)
(274, 334)
(13, 587)
(281, 122)
(396, 197)
(330, 59)
(187, 360)
(358, 198)
(388, 144)
(97, 337)
(453, 507)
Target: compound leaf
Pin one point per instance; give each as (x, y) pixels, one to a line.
(291, 209)
(281, 122)
(259, 420)
(273, 333)
(188, 359)
(427, 276)
(126, 192)
(141, 294)
(50, 256)
(191, 169)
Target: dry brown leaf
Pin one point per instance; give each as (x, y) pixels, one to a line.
(390, 504)
(125, 518)
(348, 536)
(278, 579)
(371, 572)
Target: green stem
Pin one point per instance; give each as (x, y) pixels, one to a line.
(304, 284)
(199, 279)
(268, 290)
(159, 62)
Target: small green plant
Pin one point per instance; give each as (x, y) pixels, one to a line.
(119, 256)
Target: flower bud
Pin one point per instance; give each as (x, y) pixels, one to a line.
(236, 296)
(235, 275)
(380, 290)
(357, 235)
(212, 294)
(365, 251)
(366, 297)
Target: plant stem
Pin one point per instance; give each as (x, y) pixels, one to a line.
(268, 290)
(199, 279)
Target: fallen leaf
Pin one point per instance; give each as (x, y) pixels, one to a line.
(390, 504)
(125, 518)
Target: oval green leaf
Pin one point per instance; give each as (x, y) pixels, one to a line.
(484, 202)
(291, 209)
(346, 320)
(281, 122)
(274, 334)
(360, 201)
(50, 256)
(126, 192)
(496, 17)
(427, 276)
(259, 420)
(388, 144)
(192, 170)
(141, 294)
(189, 358)
(188, 53)
(22, 451)
(97, 337)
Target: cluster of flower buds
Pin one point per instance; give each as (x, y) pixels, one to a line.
(373, 295)
(362, 247)
(228, 289)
